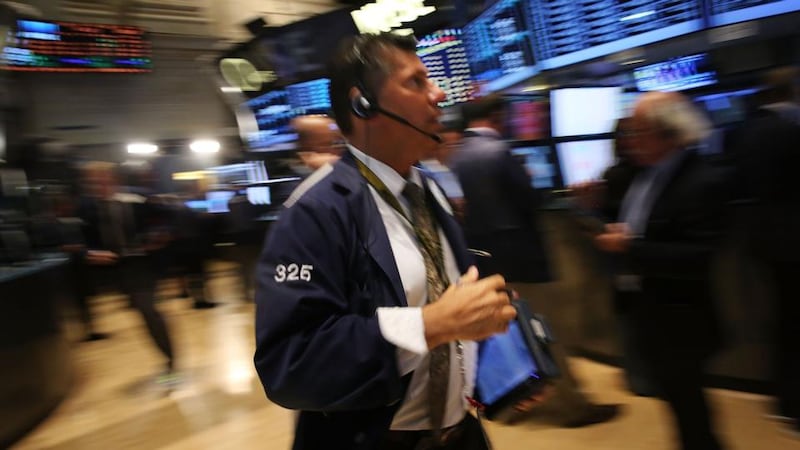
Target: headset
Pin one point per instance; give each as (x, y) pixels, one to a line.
(365, 105)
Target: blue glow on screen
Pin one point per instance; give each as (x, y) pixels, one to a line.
(568, 32)
(687, 72)
(724, 12)
(499, 45)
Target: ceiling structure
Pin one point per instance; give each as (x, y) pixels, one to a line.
(224, 21)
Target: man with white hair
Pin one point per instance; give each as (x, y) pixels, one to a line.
(670, 222)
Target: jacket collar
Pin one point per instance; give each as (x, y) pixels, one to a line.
(372, 231)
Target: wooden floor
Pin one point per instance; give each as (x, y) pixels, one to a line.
(219, 404)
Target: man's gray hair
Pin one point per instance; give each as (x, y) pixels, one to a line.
(674, 116)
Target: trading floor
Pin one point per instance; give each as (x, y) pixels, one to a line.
(117, 402)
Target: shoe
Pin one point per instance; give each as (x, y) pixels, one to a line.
(96, 337)
(594, 414)
(205, 304)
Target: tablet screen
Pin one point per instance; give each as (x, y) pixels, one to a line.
(504, 362)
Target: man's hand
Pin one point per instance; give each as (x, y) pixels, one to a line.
(471, 309)
(615, 239)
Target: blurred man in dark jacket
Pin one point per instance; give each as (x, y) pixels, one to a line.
(768, 161)
(672, 217)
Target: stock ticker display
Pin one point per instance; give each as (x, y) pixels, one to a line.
(275, 110)
(76, 47)
(310, 97)
(499, 42)
(569, 31)
(725, 12)
(444, 55)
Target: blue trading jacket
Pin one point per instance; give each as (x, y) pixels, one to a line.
(327, 265)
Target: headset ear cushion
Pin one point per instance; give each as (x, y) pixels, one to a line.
(362, 107)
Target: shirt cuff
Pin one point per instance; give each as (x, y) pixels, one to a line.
(404, 328)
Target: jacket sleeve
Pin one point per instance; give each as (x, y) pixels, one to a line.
(318, 347)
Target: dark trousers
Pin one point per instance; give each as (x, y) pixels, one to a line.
(137, 279)
(786, 367)
(676, 341)
(466, 435)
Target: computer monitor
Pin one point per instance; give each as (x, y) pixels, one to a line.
(584, 110)
(540, 165)
(527, 118)
(217, 201)
(582, 161)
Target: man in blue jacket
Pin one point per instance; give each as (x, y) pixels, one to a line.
(364, 321)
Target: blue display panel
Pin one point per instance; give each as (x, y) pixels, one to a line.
(273, 114)
(568, 31)
(39, 46)
(310, 97)
(275, 110)
(444, 55)
(725, 12)
(677, 74)
(499, 46)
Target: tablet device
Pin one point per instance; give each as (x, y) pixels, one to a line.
(515, 365)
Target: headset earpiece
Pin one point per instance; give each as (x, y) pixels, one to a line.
(362, 107)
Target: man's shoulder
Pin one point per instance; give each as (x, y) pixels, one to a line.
(329, 183)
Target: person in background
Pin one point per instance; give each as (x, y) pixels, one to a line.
(604, 198)
(367, 308)
(672, 219)
(119, 246)
(435, 164)
(502, 220)
(318, 141)
(768, 160)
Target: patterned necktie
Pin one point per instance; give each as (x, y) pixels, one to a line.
(431, 249)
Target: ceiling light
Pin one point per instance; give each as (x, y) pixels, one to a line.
(205, 146)
(140, 148)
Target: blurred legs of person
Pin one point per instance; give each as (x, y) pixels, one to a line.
(82, 292)
(139, 281)
(568, 406)
(677, 340)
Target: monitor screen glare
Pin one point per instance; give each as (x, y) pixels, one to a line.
(584, 111)
(583, 161)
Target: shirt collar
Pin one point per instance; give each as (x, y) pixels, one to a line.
(393, 180)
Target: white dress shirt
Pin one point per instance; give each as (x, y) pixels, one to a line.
(403, 326)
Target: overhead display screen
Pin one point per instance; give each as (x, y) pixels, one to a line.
(39, 46)
(567, 32)
(310, 97)
(499, 46)
(275, 110)
(686, 72)
(444, 55)
(724, 12)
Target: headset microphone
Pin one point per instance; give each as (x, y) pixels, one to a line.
(405, 122)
